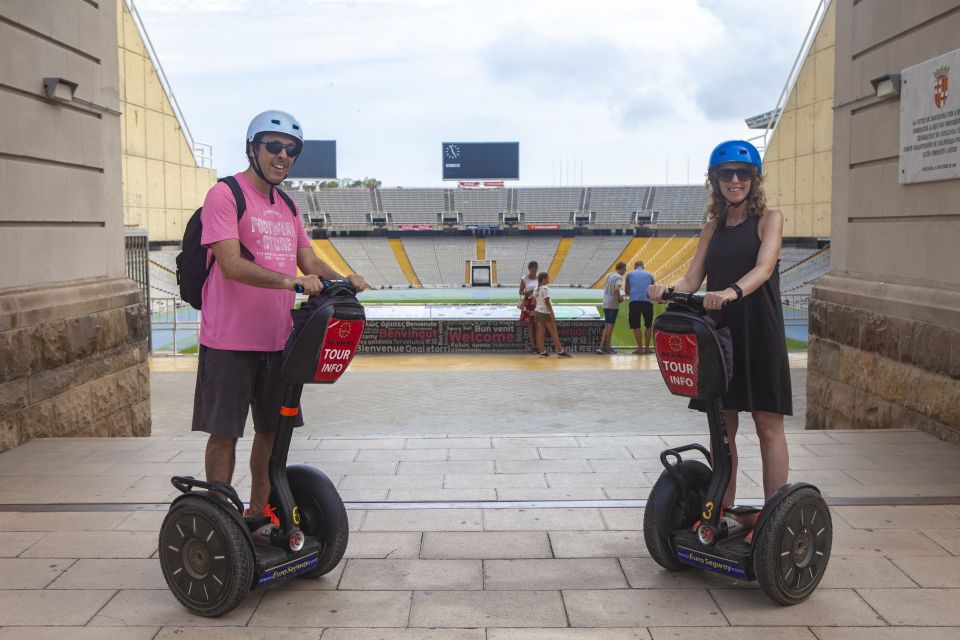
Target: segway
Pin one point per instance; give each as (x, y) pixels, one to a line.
(786, 545)
(210, 553)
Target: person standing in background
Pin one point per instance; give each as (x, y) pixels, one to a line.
(611, 306)
(636, 285)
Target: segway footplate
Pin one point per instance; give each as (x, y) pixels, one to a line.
(276, 565)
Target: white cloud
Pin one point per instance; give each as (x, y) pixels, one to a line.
(621, 86)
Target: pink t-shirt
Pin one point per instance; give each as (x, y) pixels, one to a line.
(236, 316)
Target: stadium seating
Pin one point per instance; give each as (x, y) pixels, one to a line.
(345, 206)
(373, 258)
(615, 205)
(549, 204)
(513, 253)
(412, 206)
(440, 261)
(589, 258)
(480, 206)
(679, 205)
(799, 278)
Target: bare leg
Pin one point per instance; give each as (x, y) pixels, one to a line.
(773, 450)
(532, 334)
(647, 335)
(605, 338)
(260, 470)
(220, 458)
(555, 336)
(636, 337)
(541, 338)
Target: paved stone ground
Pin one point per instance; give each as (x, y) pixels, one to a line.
(483, 571)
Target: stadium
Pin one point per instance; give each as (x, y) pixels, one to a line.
(488, 494)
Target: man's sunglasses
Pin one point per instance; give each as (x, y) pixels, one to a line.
(275, 147)
(726, 175)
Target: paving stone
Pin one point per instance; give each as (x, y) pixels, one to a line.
(548, 495)
(948, 539)
(326, 582)
(94, 544)
(424, 520)
(403, 455)
(902, 633)
(77, 633)
(487, 609)
(541, 519)
(885, 542)
(585, 453)
(638, 466)
(552, 574)
(641, 608)
(486, 544)
(653, 443)
(317, 457)
(383, 545)
(598, 479)
(333, 609)
(543, 466)
(866, 571)
(628, 493)
(597, 544)
(112, 574)
(833, 607)
(915, 607)
(899, 517)
(446, 467)
(361, 443)
(403, 634)
(364, 495)
(142, 521)
(568, 634)
(158, 607)
(931, 573)
(803, 463)
(449, 443)
(13, 544)
(20, 573)
(884, 436)
(623, 519)
(503, 453)
(442, 495)
(494, 480)
(50, 608)
(21, 466)
(383, 467)
(64, 521)
(409, 575)
(733, 633)
(409, 481)
(543, 441)
(236, 633)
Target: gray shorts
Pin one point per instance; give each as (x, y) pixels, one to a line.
(229, 383)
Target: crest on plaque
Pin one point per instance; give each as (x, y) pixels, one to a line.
(941, 86)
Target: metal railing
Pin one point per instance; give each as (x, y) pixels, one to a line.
(174, 327)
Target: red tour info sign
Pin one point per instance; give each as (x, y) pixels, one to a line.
(339, 345)
(678, 358)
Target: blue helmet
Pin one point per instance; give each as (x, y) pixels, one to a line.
(736, 151)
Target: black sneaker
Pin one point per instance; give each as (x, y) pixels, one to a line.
(564, 354)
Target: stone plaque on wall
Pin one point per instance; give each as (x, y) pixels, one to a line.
(930, 120)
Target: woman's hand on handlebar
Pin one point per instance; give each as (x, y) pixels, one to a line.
(655, 292)
(716, 300)
(357, 282)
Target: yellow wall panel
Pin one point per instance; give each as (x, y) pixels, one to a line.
(206, 178)
(822, 177)
(134, 90)
(771, 182)
(154, 95)
(154, 134)
(136, 126)
(171, 185)
(155, 191)
(804, 181)
(131, 37)
(804, 123)
(789, 220)
(821, 220)
(823, 83)
(186, 153)
(171, 138)
(787, 134)
(823, 126)
(123, 85)
(156, 225)
(804, 86)
(135, 182)
(174, 224)
(787, 187)
(188, 188)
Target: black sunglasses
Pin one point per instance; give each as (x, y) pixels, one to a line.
(726, 175)
(275, 147)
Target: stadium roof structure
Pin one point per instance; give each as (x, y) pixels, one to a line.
(763, 120)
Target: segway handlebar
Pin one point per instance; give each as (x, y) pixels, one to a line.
(335, 285)
(693, 299)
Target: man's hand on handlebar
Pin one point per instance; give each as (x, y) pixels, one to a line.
(311, 284)
(357, 282)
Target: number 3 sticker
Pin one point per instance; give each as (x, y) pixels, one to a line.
(708, 511)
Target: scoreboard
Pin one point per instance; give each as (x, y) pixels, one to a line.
(481, 160)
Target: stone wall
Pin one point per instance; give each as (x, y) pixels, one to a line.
(883, 356)
(73, 361)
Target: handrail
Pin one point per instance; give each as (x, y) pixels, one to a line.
(202, 152)
(818, 16)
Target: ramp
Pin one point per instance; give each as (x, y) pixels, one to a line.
(329, 254)
(563, 248)
(632, 249)
(400, 253)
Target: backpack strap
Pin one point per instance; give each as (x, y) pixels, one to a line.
(231, 182)
(286, 198)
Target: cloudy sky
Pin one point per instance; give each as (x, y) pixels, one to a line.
(615, 91)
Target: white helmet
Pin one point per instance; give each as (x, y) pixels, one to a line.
(274, 121)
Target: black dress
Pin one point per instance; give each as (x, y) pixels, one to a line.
(761, 370)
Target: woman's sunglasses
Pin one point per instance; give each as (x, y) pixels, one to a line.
(275, 147)
(726, 175)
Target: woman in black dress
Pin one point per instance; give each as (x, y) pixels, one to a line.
(739, 253)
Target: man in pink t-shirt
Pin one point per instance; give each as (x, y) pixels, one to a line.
(246, 303)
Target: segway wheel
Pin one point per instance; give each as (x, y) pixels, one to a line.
(667, 502)
(205, 557)
(792, 548)
(322, 515)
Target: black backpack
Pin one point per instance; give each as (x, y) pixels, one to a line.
(192, 265)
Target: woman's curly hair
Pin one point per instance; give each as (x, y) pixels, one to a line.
(717, 205)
